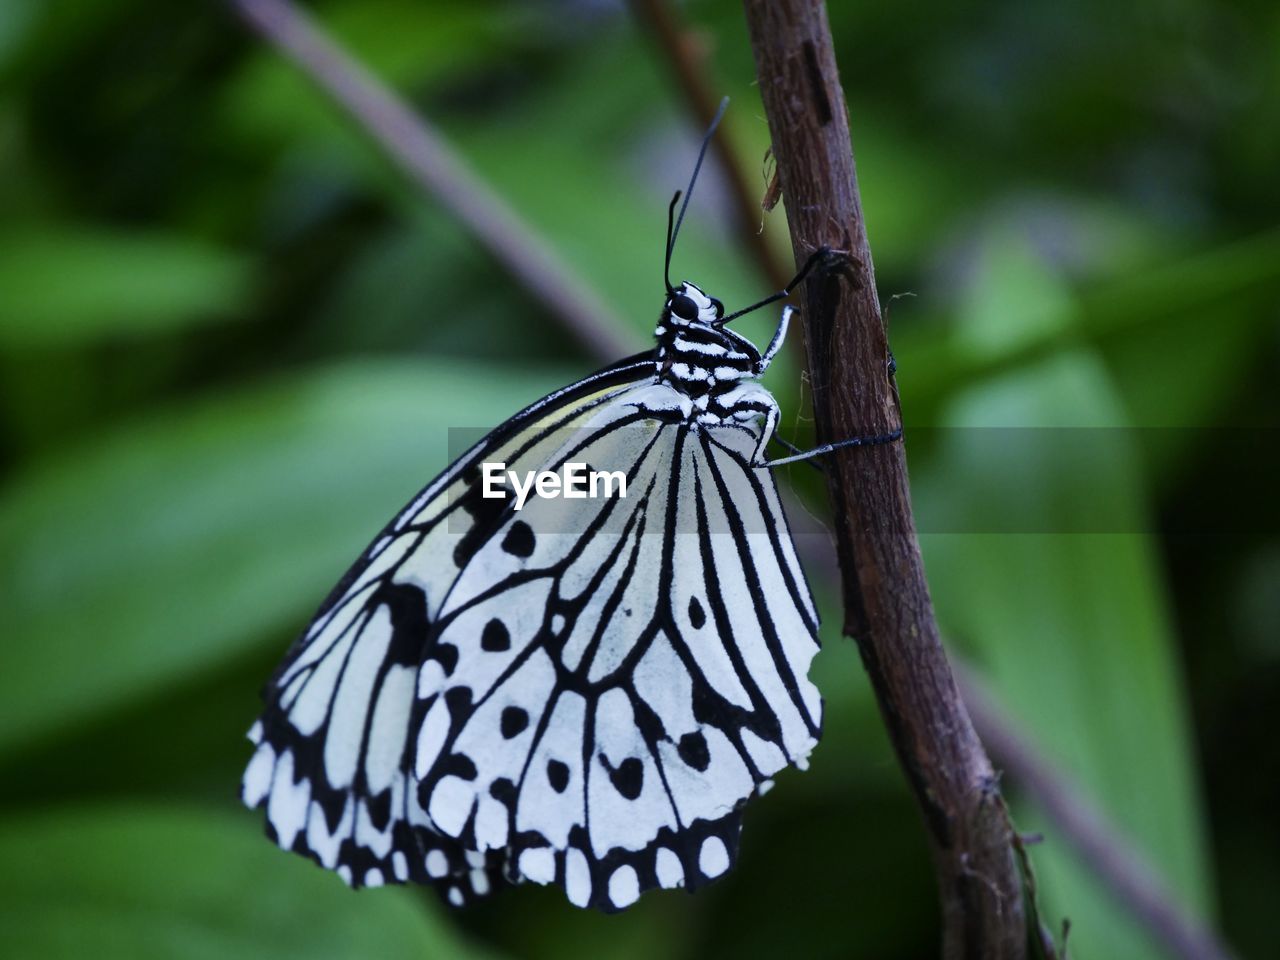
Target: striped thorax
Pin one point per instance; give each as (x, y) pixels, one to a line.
(696, 355)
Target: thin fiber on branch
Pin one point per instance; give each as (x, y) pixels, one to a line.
(886, 598)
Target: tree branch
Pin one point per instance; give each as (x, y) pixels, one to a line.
(887, 604)
(429, 161)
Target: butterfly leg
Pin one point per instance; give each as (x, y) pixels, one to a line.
(826, 448)
(751, 402)
(792, 448)
(775, 344)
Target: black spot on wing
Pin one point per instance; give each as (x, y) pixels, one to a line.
(513, 722)
(446, 654)
(495, 638)
(697, 616)
(458, 700)
(458, 765)
(519, 541)
(409, 627)
(627, 777)
(504, 791)
(380, 810)
(332, 802)
(693, 751)
(557, 775)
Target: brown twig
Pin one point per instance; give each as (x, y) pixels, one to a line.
(428, 159)
(1097, 842)
(680, 50)
(887, 605)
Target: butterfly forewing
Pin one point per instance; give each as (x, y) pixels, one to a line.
(335, 743)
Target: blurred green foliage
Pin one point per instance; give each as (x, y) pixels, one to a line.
(232, 341)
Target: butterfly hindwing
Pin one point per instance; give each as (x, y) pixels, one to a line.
(651, 674)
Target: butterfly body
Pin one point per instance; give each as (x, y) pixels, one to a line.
(714, 366)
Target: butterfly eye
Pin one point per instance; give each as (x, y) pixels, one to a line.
(683, 307)
(719, 307)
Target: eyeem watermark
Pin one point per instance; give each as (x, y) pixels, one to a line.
(575, 482)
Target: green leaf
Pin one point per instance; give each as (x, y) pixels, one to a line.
(1071, 630)
(69, 285)
(16, 17)
(172, 882)
(168, 547)
(1013, 300)
(1178, 327)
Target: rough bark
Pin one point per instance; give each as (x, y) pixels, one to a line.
(886, 598)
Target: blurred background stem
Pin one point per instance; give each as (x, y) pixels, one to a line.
(685, 58)
(1124, 871)
(428, 160)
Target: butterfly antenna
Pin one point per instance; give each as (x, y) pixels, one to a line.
(671, 219)
(674, 231)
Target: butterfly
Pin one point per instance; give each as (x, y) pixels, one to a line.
(579, 692)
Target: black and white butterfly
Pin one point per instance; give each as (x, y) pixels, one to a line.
(582, 693)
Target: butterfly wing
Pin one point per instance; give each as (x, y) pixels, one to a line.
(334, 752)
(606, 686)
(590, 697)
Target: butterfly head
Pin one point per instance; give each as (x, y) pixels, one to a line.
(687, 305)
